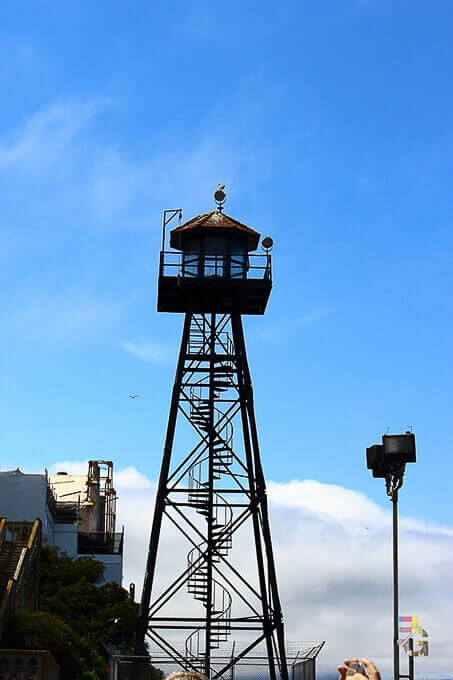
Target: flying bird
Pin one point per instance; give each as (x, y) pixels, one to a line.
(134, 396)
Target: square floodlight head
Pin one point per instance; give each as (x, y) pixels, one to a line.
(399, 448)
(374, 456)
(380, 470)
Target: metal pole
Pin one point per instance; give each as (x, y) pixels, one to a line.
(411, 658)
(210, 516)
(396, 649)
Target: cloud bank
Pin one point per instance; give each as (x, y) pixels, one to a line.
(333, 551)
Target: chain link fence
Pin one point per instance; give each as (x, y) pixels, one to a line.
(301, 658)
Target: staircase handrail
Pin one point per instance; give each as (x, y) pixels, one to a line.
(224, 615)
(195, 482)
(195, 555)
(2, 529)
(24, 561)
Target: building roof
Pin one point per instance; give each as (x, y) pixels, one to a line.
(70, 488)
(214, 220)
(18, 473)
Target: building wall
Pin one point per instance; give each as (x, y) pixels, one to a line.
(19, 663)
(23, 497)
(113, 567)
(48, 524)
(66, 538)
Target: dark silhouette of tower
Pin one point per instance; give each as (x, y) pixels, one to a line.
(211, 487)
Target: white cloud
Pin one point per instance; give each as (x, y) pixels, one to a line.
(312, 317)
(72, 467)
(63, 316)
(333, 552)
(328, 500)
(45, 136)
(106, 185)
(150, 352)
(130, 478)
(280, 331)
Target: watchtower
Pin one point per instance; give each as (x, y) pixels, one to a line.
(212, 487)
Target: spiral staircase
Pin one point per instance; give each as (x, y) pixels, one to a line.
(222, 514)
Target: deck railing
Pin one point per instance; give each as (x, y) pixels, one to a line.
(100, 543)
(215, 266)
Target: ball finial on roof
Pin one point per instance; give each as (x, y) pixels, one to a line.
(220, 196)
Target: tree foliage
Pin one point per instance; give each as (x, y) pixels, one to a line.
(75, 614)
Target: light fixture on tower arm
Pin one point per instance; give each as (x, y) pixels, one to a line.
(267, 244)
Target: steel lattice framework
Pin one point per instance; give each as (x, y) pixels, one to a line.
(210, 494)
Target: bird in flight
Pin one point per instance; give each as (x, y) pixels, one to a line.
(134, 396)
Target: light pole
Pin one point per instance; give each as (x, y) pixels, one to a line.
(388, 461)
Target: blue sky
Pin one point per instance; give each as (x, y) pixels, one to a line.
(330, 123)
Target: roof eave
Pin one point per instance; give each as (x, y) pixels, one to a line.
(177, 237)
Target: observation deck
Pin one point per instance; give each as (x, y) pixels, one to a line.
(214, 282)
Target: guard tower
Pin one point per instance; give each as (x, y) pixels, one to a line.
(211, 487)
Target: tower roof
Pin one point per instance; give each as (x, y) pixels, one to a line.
(213, 220)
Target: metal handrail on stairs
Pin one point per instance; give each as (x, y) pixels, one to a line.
(223, 514)
(2, 529)
(15, 592)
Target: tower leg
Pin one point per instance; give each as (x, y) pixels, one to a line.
(142, 625)
(275, 620)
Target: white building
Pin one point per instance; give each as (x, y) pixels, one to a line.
(77, 511)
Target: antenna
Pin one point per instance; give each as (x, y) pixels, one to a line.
(167, 217)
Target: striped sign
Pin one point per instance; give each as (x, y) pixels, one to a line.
(413, 620)
(413, 631)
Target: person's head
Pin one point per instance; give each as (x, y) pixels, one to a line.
(186, 675)
(368, 670)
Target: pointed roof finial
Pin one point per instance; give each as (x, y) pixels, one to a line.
(220, 196)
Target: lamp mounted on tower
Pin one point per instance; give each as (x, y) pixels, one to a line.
(220, 196)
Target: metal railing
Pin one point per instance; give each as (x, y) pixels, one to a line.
(23, 584)
(15, 532)
(100, 543)
(215, 266)
(67, 512)
(304, 670)
(51, 498)
(2, 529)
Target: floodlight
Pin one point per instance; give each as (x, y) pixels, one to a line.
(374, 456)
(399, 448)
(380, 470)
(267, 243)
